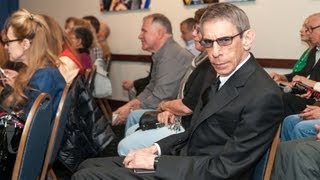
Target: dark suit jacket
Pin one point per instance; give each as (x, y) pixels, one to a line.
(309, 69)
(230, 134)
(294, 104)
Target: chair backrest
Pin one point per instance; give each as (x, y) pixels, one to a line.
(34, 139)
(264, 167)
(57, 130)
(272, 155)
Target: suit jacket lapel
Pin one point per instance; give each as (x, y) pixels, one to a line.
(228, 91)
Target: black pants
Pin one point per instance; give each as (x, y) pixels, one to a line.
(294, 104)
(107, 169)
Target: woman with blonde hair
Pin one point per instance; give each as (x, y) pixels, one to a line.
(28, 40)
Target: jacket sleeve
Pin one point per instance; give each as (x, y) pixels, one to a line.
(166, 82)
(252, 136)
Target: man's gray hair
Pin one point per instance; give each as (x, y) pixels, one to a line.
(161, 20)
(229, 12)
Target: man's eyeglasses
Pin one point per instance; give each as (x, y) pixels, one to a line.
(310, 29)
(223, 41)
(6, 42)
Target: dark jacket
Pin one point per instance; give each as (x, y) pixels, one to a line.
(87, 131)
(230, 134)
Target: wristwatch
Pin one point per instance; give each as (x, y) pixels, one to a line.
(155, 162)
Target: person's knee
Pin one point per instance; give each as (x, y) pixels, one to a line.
(123, 147)
(302, 130)
(86, 163)
(133, 118)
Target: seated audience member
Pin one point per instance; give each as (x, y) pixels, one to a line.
(198, 75)
(234, 122)
(298, 159)
(96, 50)
(70, 22)
(302, 125)
(302, 61)
(294, 104)
(27, 39)
(81, 39)
(186, 29)
(103, 34)
(170, 62)
(70, 66)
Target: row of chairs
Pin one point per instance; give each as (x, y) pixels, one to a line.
(38, 148)
(35, 155)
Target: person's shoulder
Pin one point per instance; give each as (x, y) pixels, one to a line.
(47, 70)
(49, 73)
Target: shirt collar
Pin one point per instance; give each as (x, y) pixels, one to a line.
(224, 79)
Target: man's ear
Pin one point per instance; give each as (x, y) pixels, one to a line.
(26, 44)
(248, 38)
(161, 32)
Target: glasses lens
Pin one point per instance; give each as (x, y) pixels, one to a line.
(207, 43)
(225, 41)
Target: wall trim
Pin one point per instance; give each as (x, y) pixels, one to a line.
(264, 62)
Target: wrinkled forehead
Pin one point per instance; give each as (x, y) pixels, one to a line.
(313, 21)
(219, 26)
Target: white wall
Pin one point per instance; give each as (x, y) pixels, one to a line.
(277, 24)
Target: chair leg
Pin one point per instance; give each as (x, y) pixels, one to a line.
(105, 108)
(272, 155)
(52, 175)
(107, 105)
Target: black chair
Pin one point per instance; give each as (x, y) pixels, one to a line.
(57, 134)
(34, 139)
(264, 167)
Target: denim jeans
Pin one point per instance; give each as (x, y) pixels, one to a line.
(141, 139)
(294, 127)
(134, 117)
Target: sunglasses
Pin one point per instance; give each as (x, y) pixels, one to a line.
(6, 42)
(223, 41)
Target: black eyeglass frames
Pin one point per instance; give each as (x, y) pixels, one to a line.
(6, 42)
(223, 41)
(310, 29)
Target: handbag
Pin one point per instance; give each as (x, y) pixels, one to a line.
(149, 120)
(11, 127)
(102, 84)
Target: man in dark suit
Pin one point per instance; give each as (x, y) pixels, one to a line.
(233, 124)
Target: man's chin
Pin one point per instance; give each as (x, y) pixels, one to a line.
(223, 72)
